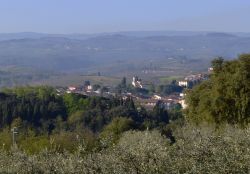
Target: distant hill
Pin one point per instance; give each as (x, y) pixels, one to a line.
(218, 34)
(33, 35)
(121, 52)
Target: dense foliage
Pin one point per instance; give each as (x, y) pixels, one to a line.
(197, 150)
(168, 89)
(31, 105)
(225, 97)
(45, 119)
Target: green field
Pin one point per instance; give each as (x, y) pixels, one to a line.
(168, 79)
(75, 79)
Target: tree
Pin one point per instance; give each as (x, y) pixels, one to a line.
(225, 97)
(217, 64)
(87, 83)
(96, 87)
(113, 131)
(159, 113)
(124, 83)
(151, 89)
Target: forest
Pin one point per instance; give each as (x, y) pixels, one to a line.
(40, 114)
(73, 133)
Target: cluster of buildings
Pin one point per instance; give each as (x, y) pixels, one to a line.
(169, 102)
(174, 99)
(88, 90)
(191, 80)
(148, 102)
(84, 88)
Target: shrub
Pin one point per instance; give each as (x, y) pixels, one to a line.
(197, 150)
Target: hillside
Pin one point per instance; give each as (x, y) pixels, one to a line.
(112, 53)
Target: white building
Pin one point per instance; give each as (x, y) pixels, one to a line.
(157, 97)
(210, 69)
(71, 88)
(89, 88)
(183, 83)
(136, 82)
(183, 103)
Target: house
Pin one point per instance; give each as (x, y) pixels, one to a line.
(157, 97)
(183, 83)
(71, 88)
(192, 80)
(182, 100)
(211, 69)
(98, 91)
(168, 102)
(88, 88)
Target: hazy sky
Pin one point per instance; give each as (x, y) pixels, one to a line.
(90, 16)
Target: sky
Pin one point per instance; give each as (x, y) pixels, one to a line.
(97, 16)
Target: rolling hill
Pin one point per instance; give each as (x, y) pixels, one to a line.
(125, 53)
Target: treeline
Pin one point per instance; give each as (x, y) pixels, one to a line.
(225, 97)
(33, 106)
(40, 115)
(168, 89)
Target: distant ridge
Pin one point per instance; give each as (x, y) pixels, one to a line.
(34, 35)
(219, 34)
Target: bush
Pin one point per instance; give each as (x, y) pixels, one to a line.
(197, 150)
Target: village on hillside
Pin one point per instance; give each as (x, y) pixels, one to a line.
(140, 91)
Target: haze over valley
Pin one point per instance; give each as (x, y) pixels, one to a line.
(33, 57)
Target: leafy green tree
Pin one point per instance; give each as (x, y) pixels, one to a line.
(113, 131)
(159, 113)
(225, 97)
(217, 64)
(124, 83)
